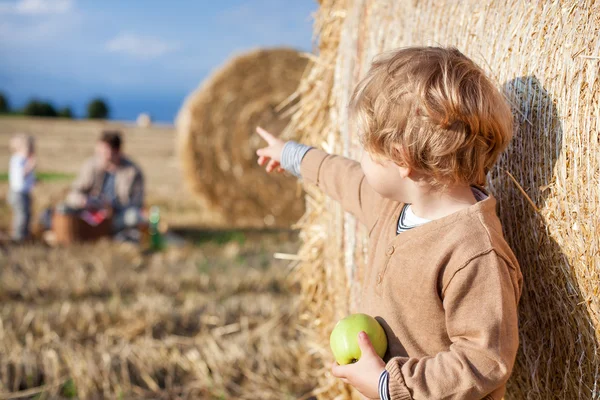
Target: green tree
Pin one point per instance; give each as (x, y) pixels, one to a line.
(4, 105)
(98, 109)
(65, 112)
(39, 108)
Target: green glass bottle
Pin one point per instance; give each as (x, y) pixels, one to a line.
(156, 241)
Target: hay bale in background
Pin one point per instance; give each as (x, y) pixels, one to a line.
(545, 56)
(144, 120)
(217, 141)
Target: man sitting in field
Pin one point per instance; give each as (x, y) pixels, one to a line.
(110, 181)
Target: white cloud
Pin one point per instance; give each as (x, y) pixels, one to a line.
(19, 30)
(141, 47)
(37, 7)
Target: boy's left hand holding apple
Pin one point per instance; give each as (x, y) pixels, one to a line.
(364, 374)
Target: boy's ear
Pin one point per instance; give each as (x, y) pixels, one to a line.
(405, 172)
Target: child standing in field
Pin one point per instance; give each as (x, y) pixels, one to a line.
(21, 181)
(442, 280)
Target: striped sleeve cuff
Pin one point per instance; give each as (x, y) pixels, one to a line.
(291, 157)
(384, 393)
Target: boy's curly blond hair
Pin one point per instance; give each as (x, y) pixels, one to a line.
(434, 110)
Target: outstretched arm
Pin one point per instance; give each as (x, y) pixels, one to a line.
(339, 177)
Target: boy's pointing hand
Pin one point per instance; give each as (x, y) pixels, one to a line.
(270, 155)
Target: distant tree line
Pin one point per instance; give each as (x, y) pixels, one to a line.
(96, 109)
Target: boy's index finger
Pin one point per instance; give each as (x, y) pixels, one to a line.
(265, 135)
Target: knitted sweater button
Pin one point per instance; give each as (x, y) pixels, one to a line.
(390, 250)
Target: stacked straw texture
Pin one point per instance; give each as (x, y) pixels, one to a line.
(545, 56)
(217, 140)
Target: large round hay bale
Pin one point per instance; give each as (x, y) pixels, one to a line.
(144, 120)
(217, 140)
(545, 57)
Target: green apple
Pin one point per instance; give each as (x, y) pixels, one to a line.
(344, 337)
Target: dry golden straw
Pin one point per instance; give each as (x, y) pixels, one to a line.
(546, 58)
(109, 322)
(217, 140)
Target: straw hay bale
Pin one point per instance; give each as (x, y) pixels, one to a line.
(217, 140)
(546, 58)
(144, 120)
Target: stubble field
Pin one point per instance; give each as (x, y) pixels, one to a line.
(210, 317)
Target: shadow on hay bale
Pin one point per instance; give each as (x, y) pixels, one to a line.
(217, 140)
(555, 327)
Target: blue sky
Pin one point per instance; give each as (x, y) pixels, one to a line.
(141, 55)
